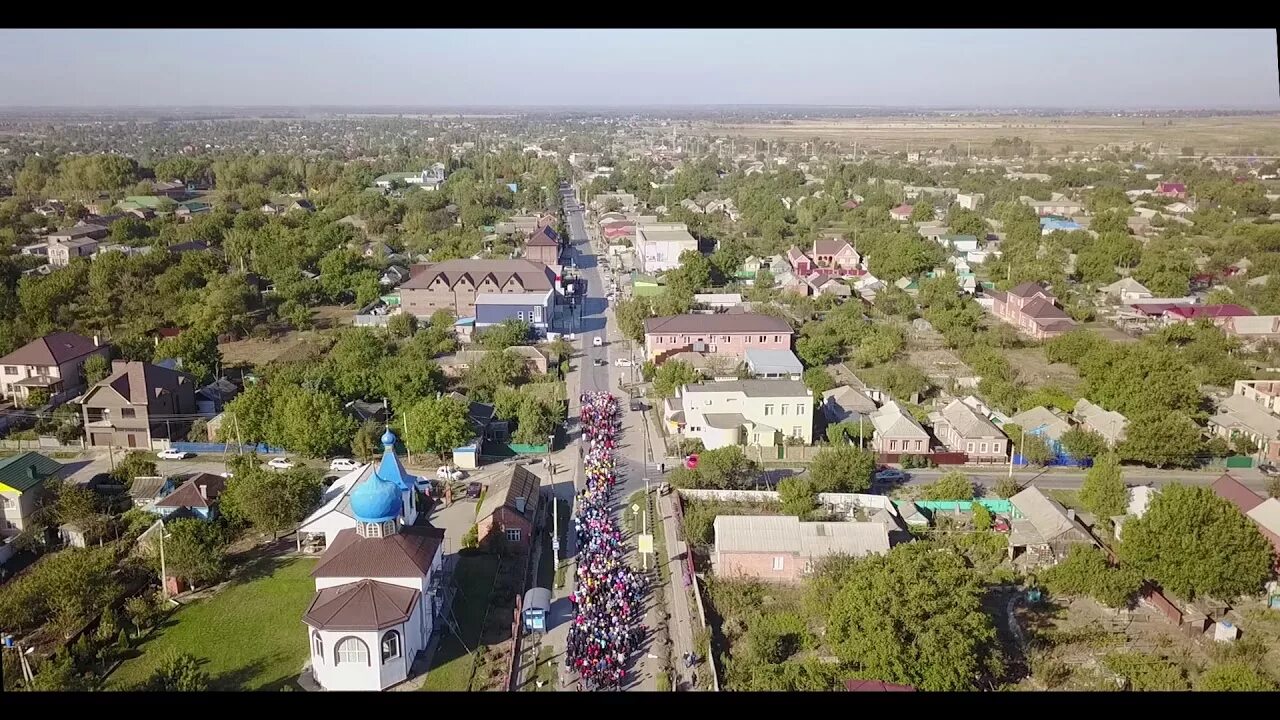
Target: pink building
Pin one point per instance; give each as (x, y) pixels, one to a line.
(722, 334)
(1033, 310)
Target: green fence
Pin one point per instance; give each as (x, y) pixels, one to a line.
(1240, 461)
(996, 506)
(522, 449)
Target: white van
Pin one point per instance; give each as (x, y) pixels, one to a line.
(597, 341)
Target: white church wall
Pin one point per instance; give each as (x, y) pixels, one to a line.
(334, 675)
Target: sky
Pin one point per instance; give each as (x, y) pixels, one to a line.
(926, 68)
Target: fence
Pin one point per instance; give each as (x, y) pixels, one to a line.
(44, 443)
(937, 458)
(838, 502)
(677, 514)
(995, 505)
(194, 447)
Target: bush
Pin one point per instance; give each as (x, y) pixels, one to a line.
(1085, 571)
(664, 682)
(981, 517)
(774, 637)
(912, 462)
(1006, 488)
(471, 539)
(178, 673)
(953, 485)
(143, 610)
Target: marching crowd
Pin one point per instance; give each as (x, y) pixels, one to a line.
(607, 597)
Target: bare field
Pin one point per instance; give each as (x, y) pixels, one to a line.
(1209, 134)
(1036, 370)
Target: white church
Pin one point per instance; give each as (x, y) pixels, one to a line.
(377, 584)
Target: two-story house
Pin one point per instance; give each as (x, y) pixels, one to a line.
(53, 363)
(1031, 309)
(660, 245)
(136, 403)
(828, 256)
(510, 509)
(743, 412)
(896, 431)
(455, 284)
(22, 479)
(963, 430)
(543, 246)
(727, 335)
(535, 309)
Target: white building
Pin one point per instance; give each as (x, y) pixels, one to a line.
(970, 201)
(659, 245)
(743, 412)
(378, 587)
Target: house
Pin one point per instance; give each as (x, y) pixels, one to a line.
(1239, 415)
(145, 491)
(1172, 190)
(455, 364)
(1107, 423)
(1042, 423)
(717, 301)
(509, 510)
(172, 189)
(51, 208)
(963, 244)
(535, 309)
(1031, 309)
(543, 246)
(22, 486)
(896, 431)
(63, 252)
(189, 210)
(660, 245)
(304, 205)
(827, 285)
(272, 209)
(765, 364)
(724, 334)
(836, 254)
(963, 430)
(1125, 290)
(186, 247)
(1250, 505)
(98, 230)
(455, 285)
(1043, 531)
(53, 363)
(198, 497)
(970, 201)
(430, 179)
(901, 213)
(1219, 315)
(1059, 205)
(393, 276)
(119, 410)
(379, 590)
(1251, 329)
(364, 411)
(743, 412)
(1263, 392)
(846, 403)
(783, 549)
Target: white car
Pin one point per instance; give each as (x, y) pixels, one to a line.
(174, 455)
(597, 341)
(280, 463)
(343, 465)
(622, 362)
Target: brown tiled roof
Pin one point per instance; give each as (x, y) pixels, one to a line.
(829, 247)
(545, 237)
(717, 323)
(52, 349)
(1229, 488)
(1028, 289)
(139, 382)
(408, 553)
(533, 275)
(521, 482)
(189, 494)
(363, 605)
(1042, 309)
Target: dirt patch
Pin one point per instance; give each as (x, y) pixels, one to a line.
(1036, 370)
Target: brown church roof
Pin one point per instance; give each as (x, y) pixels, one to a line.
(408, 553)
(364, 605)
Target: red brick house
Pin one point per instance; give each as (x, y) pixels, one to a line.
(1033, 310)
(510, 509)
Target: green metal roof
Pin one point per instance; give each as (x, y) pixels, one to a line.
(146, 201)
(15, 472)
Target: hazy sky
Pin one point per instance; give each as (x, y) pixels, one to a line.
(1062, 68)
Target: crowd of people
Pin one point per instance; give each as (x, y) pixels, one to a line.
(607, 596)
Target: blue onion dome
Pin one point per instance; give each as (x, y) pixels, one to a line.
(376, 500)
(388, 438)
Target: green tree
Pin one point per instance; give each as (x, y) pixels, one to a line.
(671, 376)
(366, 444)
(273, 502)
(59, 674)
(505, 334)
(497, 369)
(1234, 677)
(1085, 571)
(1034, 450)
(1006, 487)
(818, 380)
(692, 275)
(298, 315)
(631, 314)
(878, 345)
(982, 517)
(818, 350)
(1104, 493)
(842, 469)
(967, 222)
(537, 419)
(437, 425)
(1195, 544)
(96, 367)
(725, 468)
(1162, 440)
(953, 485)
(1082, 443)
(312, 423)
(913, 616)
(135, 463)
(194, 550)
(197, 349)
(179, 672)
(798, 497)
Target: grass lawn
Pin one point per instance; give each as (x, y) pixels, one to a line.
(250, 633)
(451, 666)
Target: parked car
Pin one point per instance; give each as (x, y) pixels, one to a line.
(281, 463)
(1269, 470)
(600, 362)
(444, 472)
(597, 341)
(636, 405)
(622, 362)
(174, 454)
(343, 465)
(890, 475)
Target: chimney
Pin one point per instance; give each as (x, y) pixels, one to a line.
(31, 472)
(520, 504)
(204, 491)
(1071, 514)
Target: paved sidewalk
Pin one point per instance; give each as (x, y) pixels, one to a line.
(681, 626)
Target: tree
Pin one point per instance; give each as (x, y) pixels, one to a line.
(798, 497)
(818, 380)
(631, 314)
(725, 468)
(143, 610)
(1273, 487)
(537, 419)
(1234, 677)
(180, 672)
(1006, 487)
(982, 517)
(1080, 442)
(818, 350)
(878, 345)
(691, 276)
(59, 674)
(842, 469)
(437, 425)
(96, 367)
(1195, 543)
(134, 464)
(366, 444)
(1035, 450)
(508, 333)
(197, 350)
(913, 616)
(298, 315)
(311, 423)
(922, 211)
(1085, 571)
(963, 221)
(1163, 440)
(497, 369)
(903, 381)
(953, 485)
(673, 375)
(272, 502)
(1103, 492)
(194, 550)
